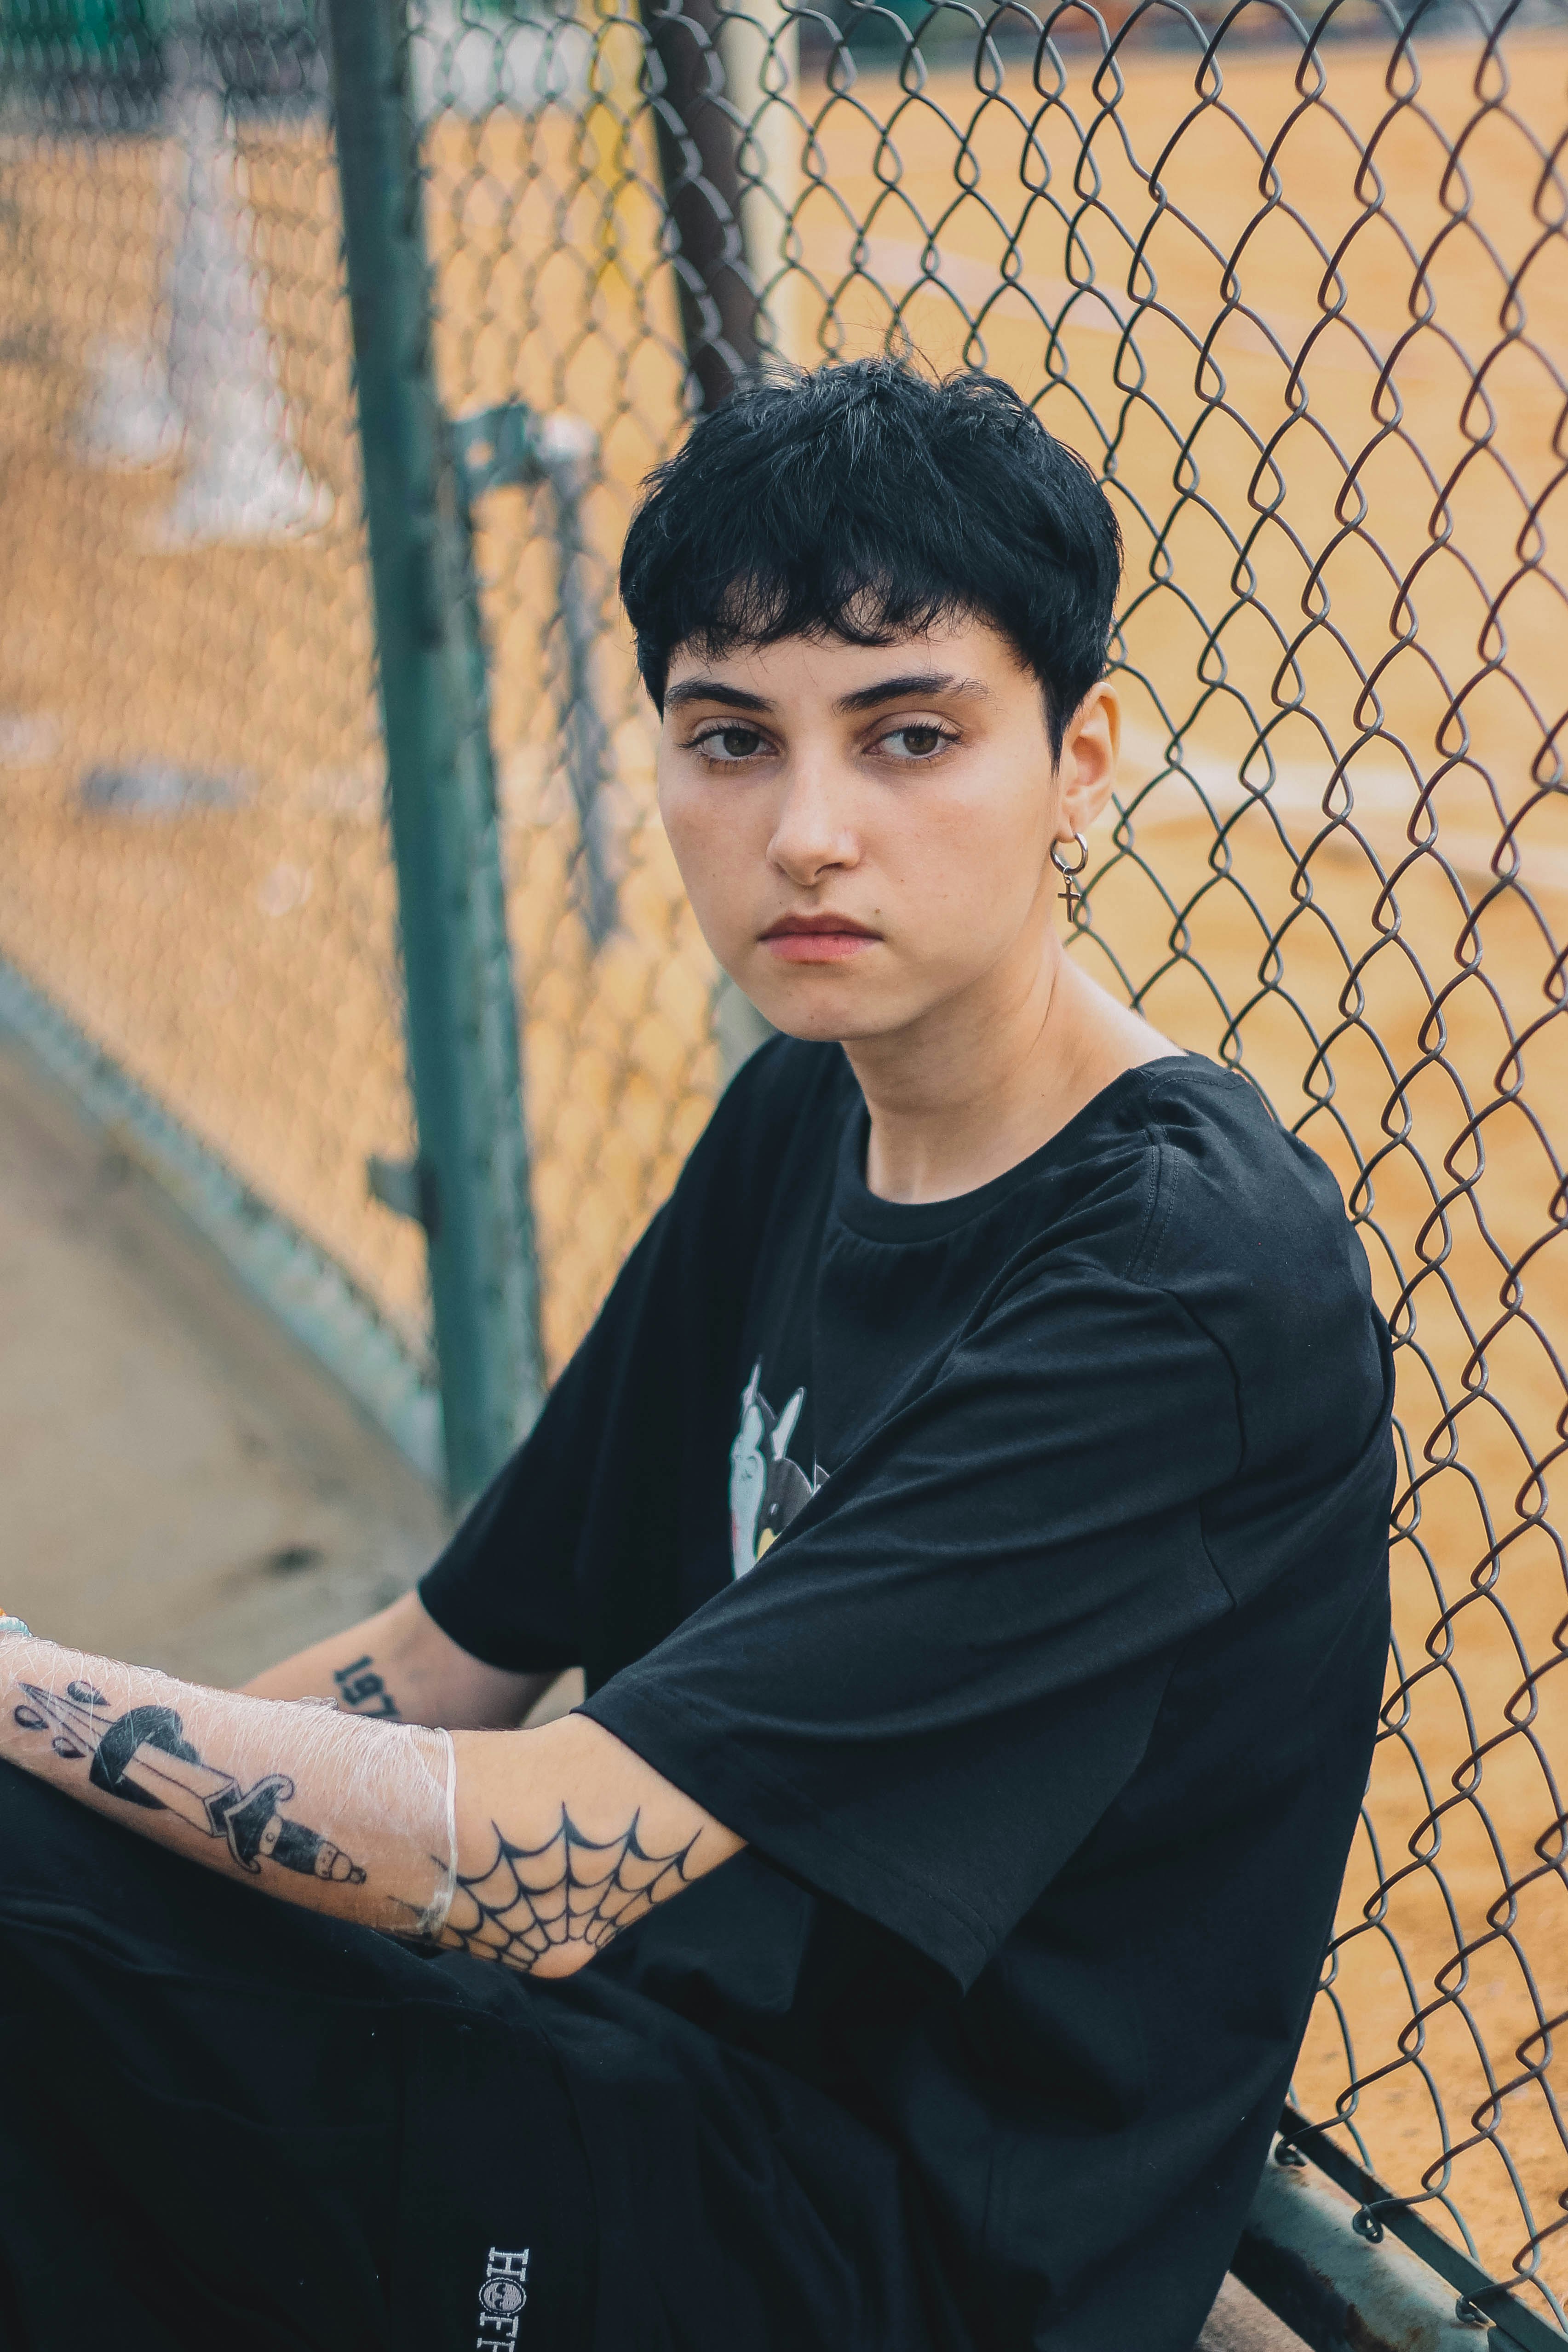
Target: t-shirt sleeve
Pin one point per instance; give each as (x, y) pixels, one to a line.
(571, 1556)
(935, 1683)
(506, 1588)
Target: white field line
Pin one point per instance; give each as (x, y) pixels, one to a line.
(898, 263)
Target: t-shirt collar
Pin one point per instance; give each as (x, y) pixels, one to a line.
(1118, 1107)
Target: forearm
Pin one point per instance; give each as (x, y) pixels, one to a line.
(535, 1848)
(350, 1670)
(321, 1809)
(399, 1666)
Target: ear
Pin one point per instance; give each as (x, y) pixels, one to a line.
(785, 1430)
(748, 1394)
(1087, 768)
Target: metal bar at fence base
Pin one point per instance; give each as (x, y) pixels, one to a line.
(462, 1009)
(1378, 2213)
(301, 1287)
(1313, 2255)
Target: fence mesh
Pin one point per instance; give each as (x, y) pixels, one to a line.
(197, 867)
(1298, 288)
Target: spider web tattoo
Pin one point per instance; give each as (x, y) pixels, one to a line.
(569, 1890)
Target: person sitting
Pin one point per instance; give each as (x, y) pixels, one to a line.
(969, 1509)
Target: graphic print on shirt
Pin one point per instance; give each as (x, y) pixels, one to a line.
(766, 1488)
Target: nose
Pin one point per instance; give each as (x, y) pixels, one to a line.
(813, 835)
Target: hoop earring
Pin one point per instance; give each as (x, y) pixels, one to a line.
(1071, 896)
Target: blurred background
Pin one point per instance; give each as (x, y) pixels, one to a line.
(351, 1019)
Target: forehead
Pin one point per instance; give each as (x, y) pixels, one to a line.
(806, 670)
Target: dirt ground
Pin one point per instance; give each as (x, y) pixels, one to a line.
(183, 1487)
(1343, 852)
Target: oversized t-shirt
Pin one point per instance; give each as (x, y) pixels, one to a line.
(1011, 1573)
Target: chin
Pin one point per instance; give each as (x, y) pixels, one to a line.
(830, 1020)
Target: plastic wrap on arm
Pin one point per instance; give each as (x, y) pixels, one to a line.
(323, 1809)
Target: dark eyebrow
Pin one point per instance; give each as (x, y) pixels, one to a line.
(916, 685)
(709, 690)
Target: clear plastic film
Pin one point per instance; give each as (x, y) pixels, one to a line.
(327, 1810)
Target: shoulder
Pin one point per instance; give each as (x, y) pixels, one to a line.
(1229, 1182)
(786, 1088)
(783, 1078)
(777, 1114)
(1247, 1229)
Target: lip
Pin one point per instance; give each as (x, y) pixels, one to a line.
(817, 939)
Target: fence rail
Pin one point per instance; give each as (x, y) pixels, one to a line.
(1297, 284)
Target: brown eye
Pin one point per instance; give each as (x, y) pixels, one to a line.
(915, 743)
(730, 743)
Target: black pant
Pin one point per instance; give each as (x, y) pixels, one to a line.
(226, 2123)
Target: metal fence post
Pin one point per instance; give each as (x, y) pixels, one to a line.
(473, 1178)
(697, 137)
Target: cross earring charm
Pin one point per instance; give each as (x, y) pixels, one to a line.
(1071, 896)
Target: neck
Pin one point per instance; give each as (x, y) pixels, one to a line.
(980, 1082)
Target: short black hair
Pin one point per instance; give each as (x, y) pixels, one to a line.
(866, 501)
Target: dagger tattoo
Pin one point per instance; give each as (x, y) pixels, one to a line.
(144, 1758)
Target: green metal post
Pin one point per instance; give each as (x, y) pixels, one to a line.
(462, 1010)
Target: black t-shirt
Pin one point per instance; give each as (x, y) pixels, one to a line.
(1011, 1573)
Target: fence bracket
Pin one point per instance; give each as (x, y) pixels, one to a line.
(407, 1187)
(499, 448)
(510, 446)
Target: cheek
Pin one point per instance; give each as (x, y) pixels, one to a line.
(971, 863)
(707, 833)
(682, 815)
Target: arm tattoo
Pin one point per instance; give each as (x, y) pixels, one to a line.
(566, 1891)
(144, 1758)
(356, 1688)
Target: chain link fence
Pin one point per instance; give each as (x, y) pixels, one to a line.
(1297, 286)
